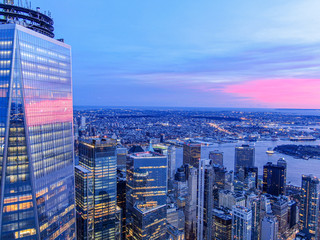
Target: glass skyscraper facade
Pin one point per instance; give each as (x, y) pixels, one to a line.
(244, 157)
(96, 189)
(146, 196)
(309, 206)
(36, 154)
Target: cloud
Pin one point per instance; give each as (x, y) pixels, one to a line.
(289, 93)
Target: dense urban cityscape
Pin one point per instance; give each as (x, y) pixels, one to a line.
(205, 199)
(140, 173)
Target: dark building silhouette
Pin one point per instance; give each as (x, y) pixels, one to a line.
(274, 179)
(191, 154)
(244, 157)
(309, 206)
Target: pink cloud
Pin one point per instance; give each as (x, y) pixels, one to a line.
(290, 93)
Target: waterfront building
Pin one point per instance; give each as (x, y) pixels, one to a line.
(36, 128)
(309, 206)
(146, 196)
(244, 157)
(216, 157)
(191, 153)
(269, 228)
(274, 179)
(241, 223)
(97, 156)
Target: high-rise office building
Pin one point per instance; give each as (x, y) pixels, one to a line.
(216, 157)
(171, 162)
(36, 157)
(244, 157)
(222, 225)
(241, 223)
(170, 152)
(274, 179)
(84, 202)
(97, 156)
(309, 206)
(121, 197)
(191, 204)
(251, 172)
(205, 200)
(293, 214)
(254, 203)
(279, 208)
(191, 153)
(121, 156)
(146, 196)
(219, 182)
(269, 228)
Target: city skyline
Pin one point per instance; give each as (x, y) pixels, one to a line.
(247, 170)
(192, 55)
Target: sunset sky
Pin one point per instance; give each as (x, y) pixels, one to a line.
(206, 53)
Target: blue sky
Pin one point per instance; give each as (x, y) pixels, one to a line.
(205, 53)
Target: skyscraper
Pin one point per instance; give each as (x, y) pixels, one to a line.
(216, 157)
(269, 228)
(241, 223)
(279, 208)
(191, 204)
(309, 206)
(205, 200)
(191, 153)
(254, 203)
(36, 157)
(274, 179)
(244, 157)
(97, 159)
(146, 196)
(222, 225)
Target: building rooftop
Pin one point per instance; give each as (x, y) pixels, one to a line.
(146, 155)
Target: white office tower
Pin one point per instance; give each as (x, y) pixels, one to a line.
(171, 162)
(269, 228)
(241, 223)
(83, 122)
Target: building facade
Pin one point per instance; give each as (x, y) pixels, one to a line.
(274, 179)
(36, 132)
(244, 157)
(146, 196)
(191, 154)
(309, 206)
(241, 223)
(216, 157)
(98, 158)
